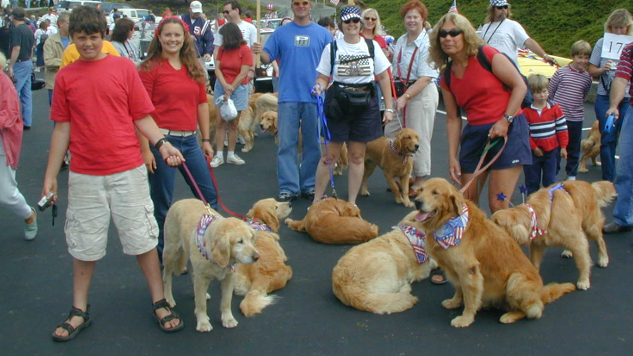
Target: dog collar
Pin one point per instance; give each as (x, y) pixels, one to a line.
(555, 188)
(203, 224)
(257, 225)
(393, 149)
(534, 229)
(417, 239)
(452, 232)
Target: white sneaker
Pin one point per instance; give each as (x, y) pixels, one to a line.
(235, 159)
(240, 140)
(30, 230)
(217, 161)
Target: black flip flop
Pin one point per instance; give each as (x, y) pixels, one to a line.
(72, 331)
(161, 322)
(438, 272)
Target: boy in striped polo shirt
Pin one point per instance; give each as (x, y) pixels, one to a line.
(568, 88)
(548, 136)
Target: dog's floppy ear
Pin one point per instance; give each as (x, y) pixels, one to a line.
(221, 250)
(397, 142)
(456, 202)
(269, 218)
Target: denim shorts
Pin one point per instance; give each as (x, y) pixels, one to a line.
(358, 127)
(239, 96)
(516, 153)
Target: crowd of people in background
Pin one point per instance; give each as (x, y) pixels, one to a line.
(348, 60)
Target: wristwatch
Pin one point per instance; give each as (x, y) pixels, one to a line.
(509, 118)
(160, 143)
(390, 110)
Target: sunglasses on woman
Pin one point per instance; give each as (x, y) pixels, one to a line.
(304, 3)
(354, 20)
(452, 33)
(370, 19)
(501, 7)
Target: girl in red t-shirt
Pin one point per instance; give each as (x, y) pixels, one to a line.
(232, 64)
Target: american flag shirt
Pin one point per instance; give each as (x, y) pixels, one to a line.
(452, 232)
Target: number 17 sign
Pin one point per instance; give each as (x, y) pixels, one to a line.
(613, 44)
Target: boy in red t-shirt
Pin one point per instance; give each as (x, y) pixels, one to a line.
(548, 136)
(102, 98)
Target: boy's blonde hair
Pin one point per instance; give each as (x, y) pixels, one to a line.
(537, 83)
(580, 47)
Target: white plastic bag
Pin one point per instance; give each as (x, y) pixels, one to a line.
(228, 111)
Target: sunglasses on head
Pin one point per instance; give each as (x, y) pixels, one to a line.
(370, 18)
(304, 3)
(452, 33)
(501, 7)
(354, 20)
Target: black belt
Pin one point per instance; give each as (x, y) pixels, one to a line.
(24, 60)
(410, 83)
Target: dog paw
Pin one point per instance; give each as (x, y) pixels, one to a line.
(245, 149)
(583, 285)
(171, 302)
(567, 254)
(583, 170)
(451, 304)
(603, 261)
(204, 326)
(408, 204)
(462, 321)
(365, 193)
(229, 322)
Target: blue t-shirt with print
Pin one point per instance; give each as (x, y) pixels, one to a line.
(298, 49)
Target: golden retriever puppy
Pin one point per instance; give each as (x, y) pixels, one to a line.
(334, 221)
(269, 273)
(563, 218)
(393, 157)
(590, 148)
(245, 128)
(376, 276)
(484, 264)
(213, 245)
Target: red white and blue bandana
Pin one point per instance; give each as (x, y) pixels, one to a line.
(350, 13)
(534, 230)
(417, 240)
(203, 224)
(452, 232)
(257, 225)
(393, 149)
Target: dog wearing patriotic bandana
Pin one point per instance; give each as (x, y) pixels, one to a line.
(563, 215)
(484, 264)
(376, 276)
(269, 273)
(214, 245)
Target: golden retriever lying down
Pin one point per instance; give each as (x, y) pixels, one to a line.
(590, 148)
(567, 220)
(334, 221)
(393, 157)
(212, 252)
(376, 276)
(269, 273)
(484, 264)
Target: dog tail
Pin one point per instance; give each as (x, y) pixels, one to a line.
(255, 301)
(297, 225)
(605, 192)
(553, 291)
(379, 303)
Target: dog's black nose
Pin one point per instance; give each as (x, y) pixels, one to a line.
(417, 146)
(256, 257)
(418, 204)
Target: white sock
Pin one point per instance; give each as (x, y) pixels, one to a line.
(231, 154)
(219, 153)
(571, 178)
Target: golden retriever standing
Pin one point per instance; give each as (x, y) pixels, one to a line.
(590, 148)
(394, 158)
(334, 221)
(245, 128)
(567, 220)
(484, 264)
(226, 241)
(376, 276)
(269, 273)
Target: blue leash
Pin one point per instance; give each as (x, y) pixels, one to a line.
(327, 137)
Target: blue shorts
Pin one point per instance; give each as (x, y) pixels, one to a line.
(516, 153)
(358, 127)
(239, 96)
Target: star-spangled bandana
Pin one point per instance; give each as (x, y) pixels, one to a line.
(555, 188)
(416, 238)
(393, 149)
(257, 225)
(350, 12)
(534, 230)
(452, 232)
(203, 224)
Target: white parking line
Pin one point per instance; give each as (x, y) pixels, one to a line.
(464, 118)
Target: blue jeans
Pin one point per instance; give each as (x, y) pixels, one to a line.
(574, 128)
(623, 212)
(290, 178)
(544, 167)
(22, 72)
(609, 142)
(162, 180)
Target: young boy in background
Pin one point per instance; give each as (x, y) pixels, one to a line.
(568, 88)
(103, 99)
(548, 136)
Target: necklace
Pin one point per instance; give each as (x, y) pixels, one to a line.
(493, 32)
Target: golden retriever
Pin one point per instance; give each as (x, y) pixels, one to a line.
(334, 221)
(269, 273)
(567, 220)
(590, 148)
(376, 276)
(245, 128)
(394, 158)
(226, 241)
(485, 265)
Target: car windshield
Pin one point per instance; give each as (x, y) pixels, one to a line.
(269, 23)
(142, 13)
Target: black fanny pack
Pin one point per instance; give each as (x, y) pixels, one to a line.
(401, 87)
(341, 98)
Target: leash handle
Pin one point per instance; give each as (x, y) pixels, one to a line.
(479, 170)
(217, 191)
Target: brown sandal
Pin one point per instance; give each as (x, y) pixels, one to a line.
(72, 331)
(161, 322)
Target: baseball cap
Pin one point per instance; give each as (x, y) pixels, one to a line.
(196, 7)
(499, 3)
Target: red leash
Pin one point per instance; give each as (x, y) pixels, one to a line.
(479, 170)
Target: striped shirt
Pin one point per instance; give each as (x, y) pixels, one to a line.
(548, 127)
(625, 66)
(569, 88)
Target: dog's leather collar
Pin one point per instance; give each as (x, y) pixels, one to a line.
(534, 229)
(417, 240)
(393, 149)
(203, 224)
(257, 225)
(452, 232)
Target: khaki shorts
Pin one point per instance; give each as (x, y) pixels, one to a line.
(91, 201)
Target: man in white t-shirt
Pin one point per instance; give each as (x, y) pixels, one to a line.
(507, 35)
(233, 13)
